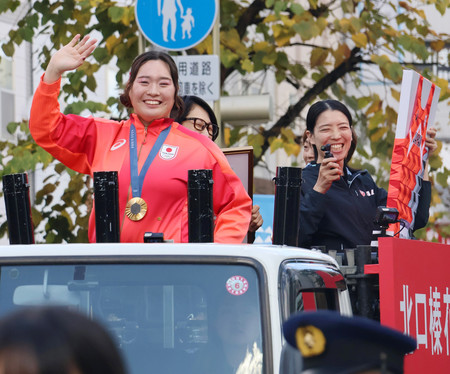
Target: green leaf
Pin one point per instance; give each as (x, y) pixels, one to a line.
(280, 76)
(228, 58)
(347, 6)
(297, 9)
(91, 83)
(298, 71)
(442, 179)
(352, 102)
(395, 71)
(116, 13)
(11, 5)
(318, 57)
(279, 6)
(435, 162)
(26, 33)
(442, 6)
(305, 29)
(12, 127)
(256, 141)
(247, 65)
(258, 61)
(8, 49)
(360, 39)
(275, 143)
(363, 102)
(270, 58)
(46, 190)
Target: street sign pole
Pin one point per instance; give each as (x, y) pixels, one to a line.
(141, 43)
(216, 51)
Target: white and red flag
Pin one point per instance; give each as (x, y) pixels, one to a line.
(418, 102)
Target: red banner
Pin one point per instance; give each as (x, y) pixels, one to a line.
(418, 102)
(415, 298)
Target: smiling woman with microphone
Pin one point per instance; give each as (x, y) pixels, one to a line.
(338, 204)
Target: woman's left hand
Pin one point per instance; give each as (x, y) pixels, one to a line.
(431, 145)
(430, 142)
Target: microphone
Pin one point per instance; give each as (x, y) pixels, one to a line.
(326, 148)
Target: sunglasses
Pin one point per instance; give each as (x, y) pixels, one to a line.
(200, 125)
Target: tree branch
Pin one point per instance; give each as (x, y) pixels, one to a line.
(249, 17)
(307, 45)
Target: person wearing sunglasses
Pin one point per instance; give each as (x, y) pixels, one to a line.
(199, 117)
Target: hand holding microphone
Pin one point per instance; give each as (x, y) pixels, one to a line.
(329, 171)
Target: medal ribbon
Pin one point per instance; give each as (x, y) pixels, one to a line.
(137, 180)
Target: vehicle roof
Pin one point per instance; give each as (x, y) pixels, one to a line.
(259, 252)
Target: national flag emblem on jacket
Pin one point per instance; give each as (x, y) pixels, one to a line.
(168, 152)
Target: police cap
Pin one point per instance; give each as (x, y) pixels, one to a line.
(332, 343)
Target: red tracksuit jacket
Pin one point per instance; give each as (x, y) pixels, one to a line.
(93, 144)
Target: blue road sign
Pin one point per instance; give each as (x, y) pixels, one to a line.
(176, 25)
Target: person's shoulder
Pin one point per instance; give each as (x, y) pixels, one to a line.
(312, 166)
(112, 121)
(353, 173)
(311, 169)
(200, 141)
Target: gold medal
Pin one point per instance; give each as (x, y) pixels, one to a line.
(136, 209)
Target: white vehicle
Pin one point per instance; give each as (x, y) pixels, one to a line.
(179, 308)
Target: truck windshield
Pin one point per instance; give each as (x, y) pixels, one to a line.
(166, 318)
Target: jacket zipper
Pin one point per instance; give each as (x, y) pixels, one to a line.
(145, 135)
(142, 144)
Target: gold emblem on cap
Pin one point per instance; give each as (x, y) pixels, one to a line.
(136, 208)
(310, 341)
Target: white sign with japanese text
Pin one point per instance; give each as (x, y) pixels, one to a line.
(199, 75)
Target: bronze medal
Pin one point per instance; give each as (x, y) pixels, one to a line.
(136, 209)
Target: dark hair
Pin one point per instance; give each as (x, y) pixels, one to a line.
(53, 339)
(189, 101)
(353, 145)
(318, 108)
(137, 64)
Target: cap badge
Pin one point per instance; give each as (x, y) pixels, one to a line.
(310, 341)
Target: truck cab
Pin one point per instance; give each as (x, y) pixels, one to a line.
(172, 308)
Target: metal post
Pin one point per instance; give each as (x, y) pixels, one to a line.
(216, 51)
(364, 297)
(200, 206)
(287, 205)
(106, 199)
(18, 208)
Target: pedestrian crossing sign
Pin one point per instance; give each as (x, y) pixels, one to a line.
(176, 25)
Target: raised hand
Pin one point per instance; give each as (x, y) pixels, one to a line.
(69, 57)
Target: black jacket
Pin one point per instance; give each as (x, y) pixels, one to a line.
(343, 217)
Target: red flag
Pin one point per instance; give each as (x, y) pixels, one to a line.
(418, 102)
